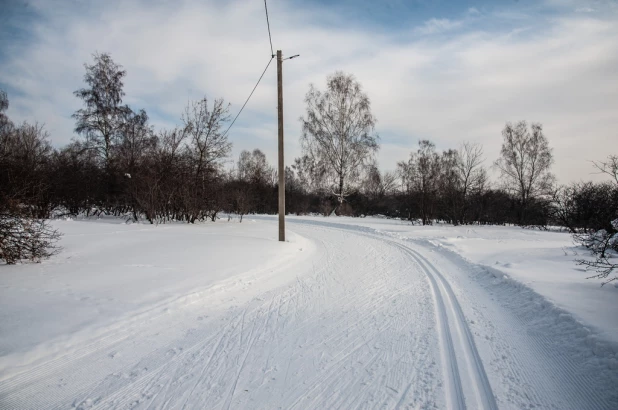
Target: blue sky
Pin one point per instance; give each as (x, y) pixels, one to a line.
(448, 71)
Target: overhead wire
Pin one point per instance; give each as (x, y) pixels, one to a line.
(272, 50)
(272, 56)
(248, 98)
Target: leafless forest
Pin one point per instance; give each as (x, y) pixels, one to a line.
(119, 164)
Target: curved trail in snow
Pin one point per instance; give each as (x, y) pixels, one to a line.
(365, 321)
(533, 365)
(453, 330)
(347, 327)
(457, 321)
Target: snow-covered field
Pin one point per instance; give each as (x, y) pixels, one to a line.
(349, 313)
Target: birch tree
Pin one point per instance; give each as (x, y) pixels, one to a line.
(525, 162)
(102, 118)
(338, 131)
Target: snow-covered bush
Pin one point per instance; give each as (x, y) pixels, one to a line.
(25, 238)
(604, 247)
(596, 241)
(604, 242)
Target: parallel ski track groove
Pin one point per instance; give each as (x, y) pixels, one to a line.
(541, 347)
(454, 379)
(482, 382)
(475, 364)
(443, 296)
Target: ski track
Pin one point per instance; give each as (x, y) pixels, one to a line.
(451, 321)
(536, 369)
(347, 331)
(442, 290)
(572, 383)
(370, 322)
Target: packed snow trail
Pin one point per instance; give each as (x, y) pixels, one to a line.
(538, 355)
(442, 290)
(354, 320)
(350, 325)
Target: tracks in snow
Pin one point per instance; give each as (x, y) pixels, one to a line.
(456, 341)
(353, 328)
(458, 349)
(357, 329)
(454, 331)
(536, 355)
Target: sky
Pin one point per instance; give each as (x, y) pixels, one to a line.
(447, 71)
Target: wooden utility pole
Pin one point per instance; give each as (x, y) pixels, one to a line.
(281, 163)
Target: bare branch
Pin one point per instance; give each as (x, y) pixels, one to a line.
(338, 131)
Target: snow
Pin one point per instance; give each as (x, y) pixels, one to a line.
(348, 313)
(110, 271)
(544, 261)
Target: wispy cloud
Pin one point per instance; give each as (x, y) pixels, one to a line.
(434, 26)
(446, 79)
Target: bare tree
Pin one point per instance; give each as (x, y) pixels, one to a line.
(28, 145)
(135, 146)
(389, 182)
(102, 119)
(240, 196)
(609, 167)
(24, 164)
(470, 174)
(136, 139)
(23, 153)
(372, 183)
(209, 145)
(338, 131)
(419, 176)
(165, 183)
(311, 175)
(254, 168)
(525, 162)
(448, 187)
(377, 184)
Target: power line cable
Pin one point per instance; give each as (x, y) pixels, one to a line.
(248, 98)
(272, 51)
(272, 56)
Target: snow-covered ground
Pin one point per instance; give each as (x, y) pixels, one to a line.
(545, 261)
(349, 313)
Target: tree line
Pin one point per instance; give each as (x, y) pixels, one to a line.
(119, 164)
